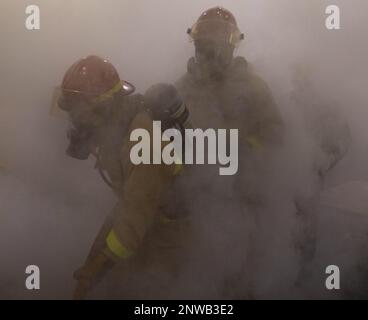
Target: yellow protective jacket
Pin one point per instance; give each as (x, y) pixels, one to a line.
(141, 195)
(140, 189)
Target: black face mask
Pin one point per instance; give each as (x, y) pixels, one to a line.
(213, 58)
(81, 140)
(86, 123)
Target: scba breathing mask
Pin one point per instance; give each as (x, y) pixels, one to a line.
(86, 119)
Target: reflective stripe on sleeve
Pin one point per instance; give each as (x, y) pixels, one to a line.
(116, 247)
(254, 142)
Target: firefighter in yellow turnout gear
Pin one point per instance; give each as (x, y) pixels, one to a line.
(103, 115)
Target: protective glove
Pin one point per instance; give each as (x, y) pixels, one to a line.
(90, 274)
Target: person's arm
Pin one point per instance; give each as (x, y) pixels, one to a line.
(268, 124)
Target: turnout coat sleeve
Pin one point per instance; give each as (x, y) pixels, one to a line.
(141, 196)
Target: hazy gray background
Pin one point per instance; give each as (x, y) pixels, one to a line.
(49, 211)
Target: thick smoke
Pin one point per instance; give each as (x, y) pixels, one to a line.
(49, 212)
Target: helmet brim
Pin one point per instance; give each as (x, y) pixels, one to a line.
(217, 31)
(57, 110)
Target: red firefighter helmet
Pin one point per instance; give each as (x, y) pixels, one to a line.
(217, 24)
(92, 79)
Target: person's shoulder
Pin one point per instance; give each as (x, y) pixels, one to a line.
(240, 66)
(135, 101)
(257, 82)
(244, 73)
(142, 120)
(242, 69)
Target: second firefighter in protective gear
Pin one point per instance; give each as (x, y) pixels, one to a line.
(224, 91)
